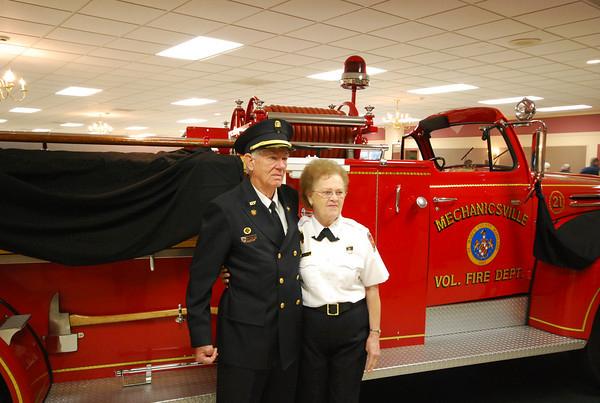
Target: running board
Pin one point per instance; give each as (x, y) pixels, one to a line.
(468, 348)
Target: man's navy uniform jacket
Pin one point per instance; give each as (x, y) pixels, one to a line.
(259, 315)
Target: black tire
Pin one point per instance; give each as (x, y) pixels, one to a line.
(4, 393)
(590, 355)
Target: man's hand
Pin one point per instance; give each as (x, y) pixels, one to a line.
(206, 354)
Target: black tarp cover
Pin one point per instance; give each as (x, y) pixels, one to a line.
(84, 208)
(574, 245)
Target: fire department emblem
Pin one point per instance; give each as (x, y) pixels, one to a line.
(483, 244)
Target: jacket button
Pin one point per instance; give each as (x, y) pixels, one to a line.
(298, 301)
(295, 253)
(279, 255)
(282, 305)
(281, 280)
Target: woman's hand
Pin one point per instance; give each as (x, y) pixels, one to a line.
(373, 350)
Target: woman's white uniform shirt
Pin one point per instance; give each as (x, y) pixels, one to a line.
(334, 272)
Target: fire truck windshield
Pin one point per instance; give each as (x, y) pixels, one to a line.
(472, 147)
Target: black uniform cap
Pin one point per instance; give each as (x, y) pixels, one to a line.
(268, 133)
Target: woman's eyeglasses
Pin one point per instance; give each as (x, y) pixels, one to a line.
(328, 194)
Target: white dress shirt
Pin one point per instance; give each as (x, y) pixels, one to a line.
(339, 271)
(267, 202)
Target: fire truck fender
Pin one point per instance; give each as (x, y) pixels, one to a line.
(25, 374)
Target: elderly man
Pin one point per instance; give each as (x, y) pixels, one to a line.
(252, 230)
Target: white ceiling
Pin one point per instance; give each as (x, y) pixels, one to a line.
(111, 45)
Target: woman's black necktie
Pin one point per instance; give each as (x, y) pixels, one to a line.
(326, 233)
(277, 222)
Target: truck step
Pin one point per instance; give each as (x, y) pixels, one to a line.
(468, 348)
(197, 385)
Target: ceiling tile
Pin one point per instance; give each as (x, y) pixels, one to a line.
(50, 44)
(479, 48)
(273, 22)
(321, 33)
(590, 40)
(414, 9)
(315, 10)
(268, 66)
(553, 47)
(71, 35)
(296, 60)
(10, 26)
(98, 25)
(217, 10)
(577, 28)
(116, 54)
(442, 41)
(120, 11)
(398, 51)
(286, 44)
(575, 57)
(496, 29)
(407, 31)
(365, 20)
(560, 15)
(185, 24)
(241, 35)
(513, 8)
(253, 52)
(32, 13)
(135, 46)
(501, 56)
(325, 51)
(432, 58)
(544, 36)
(69, 5)
(160, 4)
(158, 36)
(363, 42)
(460, 18)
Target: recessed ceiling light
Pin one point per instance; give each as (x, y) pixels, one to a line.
(24, 110)
(563, 108)
(191, 121)
(593, 61)
(335, 75)
(523, 42)
(510, 100)
(194, 102)
(78, 91)
(136, 128)
(217, 114)
(443, 89)
(41, 130)
(71, 124)
(198, 48)
(3, 120)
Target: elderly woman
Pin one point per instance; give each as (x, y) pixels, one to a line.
(340, 270)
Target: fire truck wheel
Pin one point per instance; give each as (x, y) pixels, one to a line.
(591, 353)
(4, 393)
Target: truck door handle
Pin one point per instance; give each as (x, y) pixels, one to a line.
(398, 198)
(444, 199)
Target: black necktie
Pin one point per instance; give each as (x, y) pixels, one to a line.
(277, 221)
(326, 233)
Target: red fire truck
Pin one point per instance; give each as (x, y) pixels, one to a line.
(456, 231)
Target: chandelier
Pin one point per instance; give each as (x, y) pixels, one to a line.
(399, 120)
(8, 88)
(100, 127)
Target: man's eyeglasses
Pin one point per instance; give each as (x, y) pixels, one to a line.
(328, 194)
